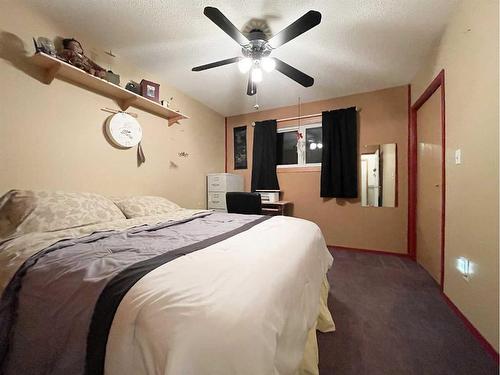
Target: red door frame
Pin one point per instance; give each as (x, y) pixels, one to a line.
(437, 83)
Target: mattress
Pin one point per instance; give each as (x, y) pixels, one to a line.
(211, 293)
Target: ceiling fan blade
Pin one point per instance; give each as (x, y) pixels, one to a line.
(220, 20)
(293, 73)
(300, 26)
(216, 64)
(252, 86)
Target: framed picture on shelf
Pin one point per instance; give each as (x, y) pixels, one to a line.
(150, 90)
(240, 147)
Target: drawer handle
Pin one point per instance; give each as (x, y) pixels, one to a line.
(214, 201)
(215, 184)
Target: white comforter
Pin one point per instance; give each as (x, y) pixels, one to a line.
(242, 306)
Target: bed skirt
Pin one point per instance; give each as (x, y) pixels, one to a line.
(324, 323)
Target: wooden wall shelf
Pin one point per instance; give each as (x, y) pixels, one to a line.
(124, 98)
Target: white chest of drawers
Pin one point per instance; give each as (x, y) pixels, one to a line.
(218, 184)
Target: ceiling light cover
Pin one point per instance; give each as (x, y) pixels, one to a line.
(268, 64)
(245, 64)
(256, 75)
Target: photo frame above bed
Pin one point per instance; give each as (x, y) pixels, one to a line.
(240, 147)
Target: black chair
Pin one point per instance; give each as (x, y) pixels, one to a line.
(244, 203)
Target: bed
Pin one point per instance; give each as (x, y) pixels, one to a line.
(139, 285)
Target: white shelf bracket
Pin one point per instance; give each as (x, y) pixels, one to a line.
(174, 120)
(125, 103)
(52, 72)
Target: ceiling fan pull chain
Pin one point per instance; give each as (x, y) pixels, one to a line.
(256, 106)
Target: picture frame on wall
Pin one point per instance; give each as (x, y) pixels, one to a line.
(240, 147)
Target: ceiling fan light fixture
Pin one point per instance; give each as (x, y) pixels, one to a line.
(256, 75)
(268, 64)
(245, 64)
(256, 45)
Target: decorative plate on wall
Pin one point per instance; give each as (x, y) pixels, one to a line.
(123, 130)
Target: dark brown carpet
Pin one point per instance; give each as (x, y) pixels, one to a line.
(392, 319)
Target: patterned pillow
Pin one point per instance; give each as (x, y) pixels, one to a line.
(144, 206)
(24, 211)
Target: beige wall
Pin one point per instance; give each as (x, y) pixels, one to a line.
(51, 135)
(468, 51)
(383, 119)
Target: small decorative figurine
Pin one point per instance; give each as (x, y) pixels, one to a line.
(113, 77)
(133, 87)
(74, 55)
(45, 45)
(167, 102)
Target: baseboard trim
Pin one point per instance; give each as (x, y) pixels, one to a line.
(378, 252)
(479, 337)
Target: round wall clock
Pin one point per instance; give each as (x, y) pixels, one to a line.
(123, 130)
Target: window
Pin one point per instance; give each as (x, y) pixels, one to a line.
(289, 155)
(314, 145)
(287, 148)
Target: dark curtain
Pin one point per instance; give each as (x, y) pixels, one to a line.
(339, 166)
(264, 156)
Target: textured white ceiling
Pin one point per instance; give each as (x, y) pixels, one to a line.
(360, 45)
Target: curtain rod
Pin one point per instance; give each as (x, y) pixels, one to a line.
(301, 117)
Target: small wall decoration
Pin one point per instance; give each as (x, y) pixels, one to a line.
(240, 147)
(123, 130)
(150, 90)
(301, 147)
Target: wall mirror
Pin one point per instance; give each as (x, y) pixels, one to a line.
(378, 175)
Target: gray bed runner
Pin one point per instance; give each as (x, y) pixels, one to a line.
(57, 311)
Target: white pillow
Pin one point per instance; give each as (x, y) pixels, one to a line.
(138, 206)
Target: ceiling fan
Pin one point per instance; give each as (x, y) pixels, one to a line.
(256, 48)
